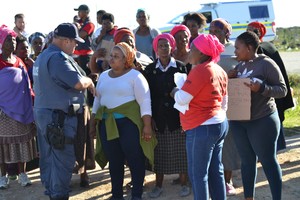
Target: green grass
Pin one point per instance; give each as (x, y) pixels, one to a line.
(292, 116)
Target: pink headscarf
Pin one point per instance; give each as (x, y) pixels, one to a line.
(4, 32)
(180, 27)
(166, 36)
(209, 45)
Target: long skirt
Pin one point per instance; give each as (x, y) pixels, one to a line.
(84, 145)
(170, 153)
(17, 140)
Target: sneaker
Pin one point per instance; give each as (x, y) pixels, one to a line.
(156, 192)
(4, 182)
(230, 190)
(24, 180)
(185, 191)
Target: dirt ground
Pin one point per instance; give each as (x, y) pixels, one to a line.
(100, 182)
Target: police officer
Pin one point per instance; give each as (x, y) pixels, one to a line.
(58, 87)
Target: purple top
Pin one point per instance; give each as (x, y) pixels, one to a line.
(15, 94)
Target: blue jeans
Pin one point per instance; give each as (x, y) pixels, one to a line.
(125, 148)
(56, 166)
(258, 138)
(204, 152)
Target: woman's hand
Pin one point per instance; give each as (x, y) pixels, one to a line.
(94, 76)
(232, 73)
(254, 85)
(147, 133)
(172, 93)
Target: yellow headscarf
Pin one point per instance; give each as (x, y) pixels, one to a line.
(128, 52)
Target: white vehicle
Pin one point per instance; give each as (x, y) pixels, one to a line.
(238, 13)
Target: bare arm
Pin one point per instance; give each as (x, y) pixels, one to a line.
(83, 34)
(93, 64)
(147, 129)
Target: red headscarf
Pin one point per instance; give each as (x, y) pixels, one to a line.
(180, 27)
(4, 32)
(166, 36)
(209, 45)
(120, 33)
(259, 27)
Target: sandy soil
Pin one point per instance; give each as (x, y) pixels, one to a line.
(100, 182)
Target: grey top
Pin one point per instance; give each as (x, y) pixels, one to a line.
(273, 85)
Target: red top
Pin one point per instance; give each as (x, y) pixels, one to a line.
(207, 83)
(89, 28)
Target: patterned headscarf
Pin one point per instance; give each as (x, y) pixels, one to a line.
(180, 27)
(49, 38)
(166, 36)
(258, 28)
(128, 52)
(4, 32)
(223, 25)
(209, 45)
(120, 33)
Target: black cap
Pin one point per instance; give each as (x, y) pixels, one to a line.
(82, 7)
(68, 30)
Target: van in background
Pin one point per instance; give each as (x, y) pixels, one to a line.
(238, 13)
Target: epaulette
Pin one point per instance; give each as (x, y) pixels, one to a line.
(66, 56)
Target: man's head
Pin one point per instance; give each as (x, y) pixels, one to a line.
(100, 13)
(66, 37)
(83, 11)
(108, 21)
(20, 21)
(142, 17)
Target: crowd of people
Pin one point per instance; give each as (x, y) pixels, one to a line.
(64, 90)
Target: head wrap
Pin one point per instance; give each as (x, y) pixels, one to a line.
(259, 29)
(166, 36)
(223, 25)
(49, 38)
(178, 28)
(35, 35)
(128, 52)
(120, 33)
(209, 45)
(4, 32)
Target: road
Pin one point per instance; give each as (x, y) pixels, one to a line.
(291, 61)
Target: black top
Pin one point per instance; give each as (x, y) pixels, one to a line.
(161, 84)
(286, 102)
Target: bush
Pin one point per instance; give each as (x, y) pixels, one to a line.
(294, 80)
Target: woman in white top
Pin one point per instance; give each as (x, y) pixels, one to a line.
(124, 107)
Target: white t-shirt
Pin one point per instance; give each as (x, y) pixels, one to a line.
(97, 33)
(113, 92)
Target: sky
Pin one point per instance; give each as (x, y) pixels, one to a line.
(43, 16)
